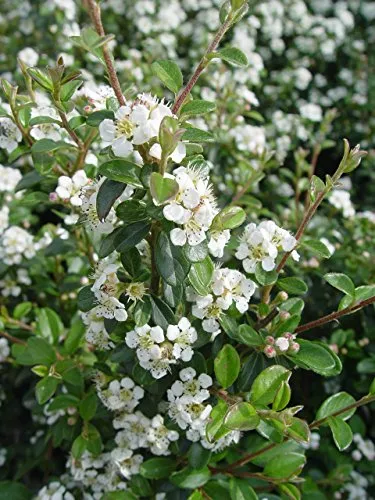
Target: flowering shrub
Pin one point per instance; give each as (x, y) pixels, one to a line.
(177, 318)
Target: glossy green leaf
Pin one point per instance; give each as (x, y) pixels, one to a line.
(341, 282)
(285, 466)
(336, 403)
(108, 193)
(267, 383)
(162, 188)
(170, 260)
(129, 236)
(200, 276)
(295, 286)
(341, 432)
(122, 171)
(227, 366)
(169, 74)
(158, 468)
(242, 417)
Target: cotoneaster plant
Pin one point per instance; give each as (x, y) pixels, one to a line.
(162, 329)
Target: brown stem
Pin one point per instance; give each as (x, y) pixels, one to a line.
(334, 315)
(94, 12)
(261, 323)
(13, 339)
(306, 219)
(84, 150)
(21, 324)
(201, 66)
(364, 401)
(70, 131)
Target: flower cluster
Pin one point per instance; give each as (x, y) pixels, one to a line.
(193, 207)
(260, 244)
(281, 345)
(135, 124)
(156, 352)
(121, 394)
(228, 286)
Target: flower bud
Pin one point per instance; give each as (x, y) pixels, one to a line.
(284, 315)
(295, 347)
(53, 196)
(269, 351)
(270, 340)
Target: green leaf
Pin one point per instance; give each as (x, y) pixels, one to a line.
(336, 403)
(64, 401)
(263, 277)
(88, 405)
(215, 423)
(315, 356)
(74, 337)
(142, 312)
(341, 432)
(267, 383)
(49, 324)
(40, 351)
(228, 218)
(242, 417)
(295, 286)
(11, 490)
(22, 310)
(162, 188)
(291, 492)
(249, 336)
(158, 468)
(46, 388)
(200, 276)
(190, 479)
(317, 247)
(68, 89)
(193, 134)
(162, 314)
(122, 171)
(366, 365)
(119, 495)
(285, 466)
(298, 430)
(227, 366)
(282, 397)
(198, 456)
(94, 119)
(252, 367)
(132, 211)
(197, 107)
(170, 260)
(108, 193)
(232, 55)
(79, 447)
(288, 325)
(48, 145)
(169, 74)
(132, 262)
(129, 236)
(41, 77)
(341, 282)
(239, 489)
(86, 299)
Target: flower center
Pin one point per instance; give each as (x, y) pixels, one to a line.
(124, 127)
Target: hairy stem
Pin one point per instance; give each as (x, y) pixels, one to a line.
(95, 15)
(201, 66)
(335, 315)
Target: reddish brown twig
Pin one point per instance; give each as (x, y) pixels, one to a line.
(95, 15)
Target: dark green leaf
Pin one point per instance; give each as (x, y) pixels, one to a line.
(227, 366)
(122, 171)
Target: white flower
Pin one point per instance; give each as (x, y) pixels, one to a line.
(261, 244)
(16, 243)
(249, 138)
(54, 491)
(88, 196)
(11, 287)
(4, 349)
(340, 199)
(127, 463)
(160, 437)
(9, 178)
(176, 156)
(194, 206)
(311, 112)
(29, 56)
(153, 352)
(96, 333)
(121, 395)
(4, 218)
(69, 189)
(218, 240)
(182, 335)
(134, 125)
(10, 136)
(134, 433)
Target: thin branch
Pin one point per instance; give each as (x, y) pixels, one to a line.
(95, 15)
(335, 315)
(306, 219)
(265, 321)
(201, 66)
(13, 339)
